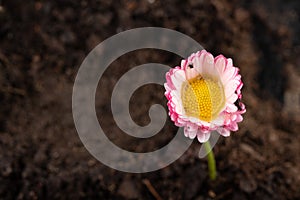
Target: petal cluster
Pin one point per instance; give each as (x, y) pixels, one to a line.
(203, 64)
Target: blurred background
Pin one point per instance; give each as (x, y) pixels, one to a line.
(42, 45)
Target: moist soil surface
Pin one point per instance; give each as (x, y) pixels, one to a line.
(42, 45)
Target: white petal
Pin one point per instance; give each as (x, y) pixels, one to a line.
(233, 126)
(191, 73)
(178, 78)
(176, 94)
(239, 118)
(180, 75)
(228, 74)
(231, 107)
(167, 87)
(229, 62)
(231, 87)
(220, 64)
(178, 106)
(190, 131)
(203, 123)
(208, 65)
(198, 63)
(203, 136)
(219, 121)
(192, 134)
(233, 117)
(232, 98)
(177, 84)
(194, 120)
(183, 64)
(224, 132)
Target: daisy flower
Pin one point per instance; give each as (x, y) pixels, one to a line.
(204, 95)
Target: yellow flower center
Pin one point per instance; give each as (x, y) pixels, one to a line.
(202, 98)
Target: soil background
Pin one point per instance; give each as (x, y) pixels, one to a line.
(43, 43)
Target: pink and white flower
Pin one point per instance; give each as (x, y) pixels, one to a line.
(204, 95)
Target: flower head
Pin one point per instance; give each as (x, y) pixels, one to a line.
(204, 95)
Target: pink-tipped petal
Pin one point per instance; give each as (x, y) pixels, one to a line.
(184, 64)
(229, 62)
(233, 126)
(239, 118)
(233, 117)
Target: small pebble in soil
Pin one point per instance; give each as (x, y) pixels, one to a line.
(211, 194)
(248, 185)
(128, 189)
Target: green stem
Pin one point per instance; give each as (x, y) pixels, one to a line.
(210, 161)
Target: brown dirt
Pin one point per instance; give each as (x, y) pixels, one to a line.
(42, 46)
